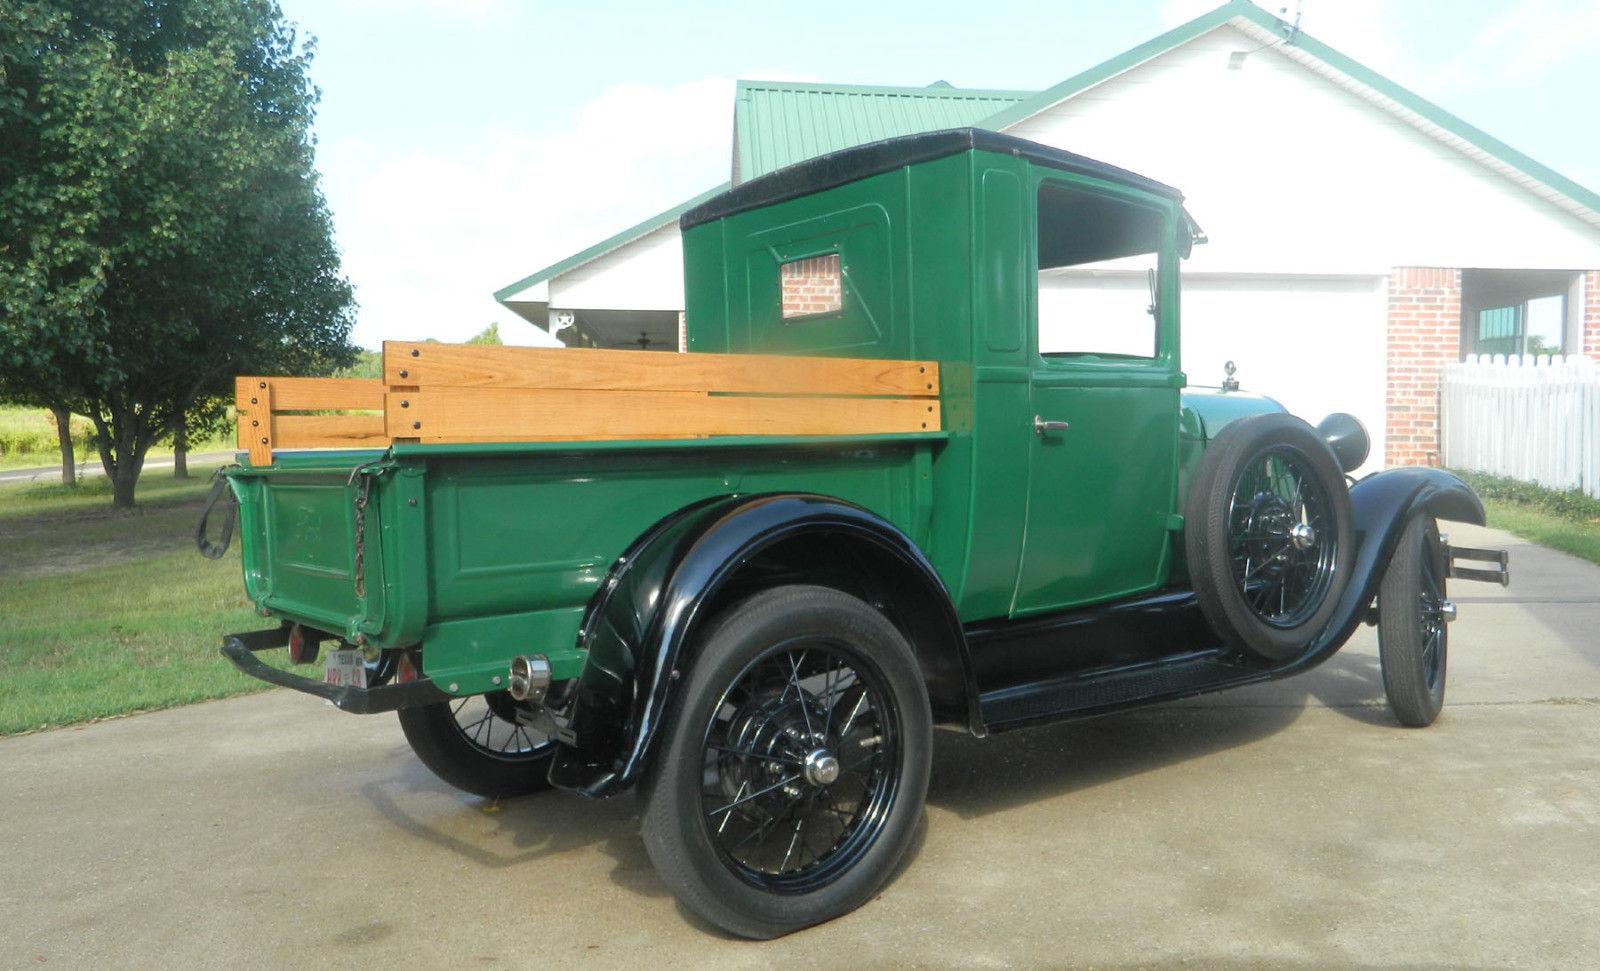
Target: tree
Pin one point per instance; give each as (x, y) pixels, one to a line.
(63, 424)
(161, 224)
(489, 335)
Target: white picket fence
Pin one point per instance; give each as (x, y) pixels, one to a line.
(1536, 420)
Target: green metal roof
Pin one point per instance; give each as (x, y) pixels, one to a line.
(610, 243)
(779, 123)
(1247, 11)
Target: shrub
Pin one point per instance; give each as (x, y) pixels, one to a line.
(1571, 505)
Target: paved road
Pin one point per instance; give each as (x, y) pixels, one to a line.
(1283, 824)
(91, 469)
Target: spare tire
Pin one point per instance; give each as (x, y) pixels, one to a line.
(1267, 535)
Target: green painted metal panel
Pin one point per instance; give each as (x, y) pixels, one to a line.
(1002, 280)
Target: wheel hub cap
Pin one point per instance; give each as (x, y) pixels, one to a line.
(821, 768)
(1302, 536)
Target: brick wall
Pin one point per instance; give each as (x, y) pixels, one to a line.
(810, 286)
(1424, 334)
(1591, 314)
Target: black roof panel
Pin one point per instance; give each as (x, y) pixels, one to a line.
(873, 158)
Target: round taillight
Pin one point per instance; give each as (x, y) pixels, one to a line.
(301, 651)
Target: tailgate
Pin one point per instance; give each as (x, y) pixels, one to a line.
(298, 539)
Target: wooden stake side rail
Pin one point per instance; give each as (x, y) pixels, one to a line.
(474, 393)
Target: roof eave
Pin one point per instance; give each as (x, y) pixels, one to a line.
(608, 245)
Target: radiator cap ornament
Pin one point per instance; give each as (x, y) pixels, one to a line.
(1229, 383)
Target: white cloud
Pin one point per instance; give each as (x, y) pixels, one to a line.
(428, 236)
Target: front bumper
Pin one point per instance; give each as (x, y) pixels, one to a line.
(240, 649)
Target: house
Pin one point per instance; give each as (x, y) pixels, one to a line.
(1360, 236)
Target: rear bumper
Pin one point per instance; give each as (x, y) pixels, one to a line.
(240, 649)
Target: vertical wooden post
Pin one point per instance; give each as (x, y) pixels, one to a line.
(253, 401)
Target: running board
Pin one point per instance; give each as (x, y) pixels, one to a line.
(1501, 573)
(1097, 693)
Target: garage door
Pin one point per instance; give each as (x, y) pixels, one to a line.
(1316, 344)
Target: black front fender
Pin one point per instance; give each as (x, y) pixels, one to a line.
(1380, 506)
(639, 626)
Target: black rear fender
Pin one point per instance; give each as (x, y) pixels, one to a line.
(640, 627)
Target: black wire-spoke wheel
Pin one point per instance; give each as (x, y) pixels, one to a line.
(801, 761)
(487, 744)
(1267, 535)
(1283, 551)
(791, 778)
(1413, 618)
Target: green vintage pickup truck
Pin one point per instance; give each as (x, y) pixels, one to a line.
(931, 460)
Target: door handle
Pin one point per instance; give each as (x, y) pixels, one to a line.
(1040, 426)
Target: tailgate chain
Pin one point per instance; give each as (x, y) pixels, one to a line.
(363, 485)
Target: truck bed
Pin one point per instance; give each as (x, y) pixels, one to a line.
(494, 487)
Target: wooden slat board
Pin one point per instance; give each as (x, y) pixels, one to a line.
(470, 393)
(263, 426)
(329, 431)
(480, 366)
(325, 394)
(531, 414)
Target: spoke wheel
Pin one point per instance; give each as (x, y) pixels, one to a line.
(1413, 636)
(491, 725)
(1267, 535)
(481, 744)
(790, 778)
(801, 758)
(1282, 548)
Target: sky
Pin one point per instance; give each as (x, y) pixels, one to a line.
(464, 144)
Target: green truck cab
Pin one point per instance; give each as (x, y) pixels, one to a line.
(758, 631)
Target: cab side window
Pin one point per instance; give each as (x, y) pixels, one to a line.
(1099, 257)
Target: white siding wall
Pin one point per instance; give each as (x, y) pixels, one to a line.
(1289, 173)
(646, 274)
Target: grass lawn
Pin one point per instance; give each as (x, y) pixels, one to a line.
(1546, 529)
(103, 613)
(1565, 521)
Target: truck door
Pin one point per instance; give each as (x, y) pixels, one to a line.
(1104, 384)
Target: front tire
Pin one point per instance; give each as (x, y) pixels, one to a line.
(479, 745)
(1267, 535)
(1413, 638)
(791, 778)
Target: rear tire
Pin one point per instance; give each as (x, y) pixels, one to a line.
(476, 745)
(1413, 639)
(742, 817)
(1267, 535)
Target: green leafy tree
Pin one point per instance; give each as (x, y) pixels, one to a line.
(161, 225)
(489, 335)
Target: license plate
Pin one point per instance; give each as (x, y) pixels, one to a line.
(345, 668)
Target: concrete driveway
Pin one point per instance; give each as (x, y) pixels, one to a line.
(1285, 824)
